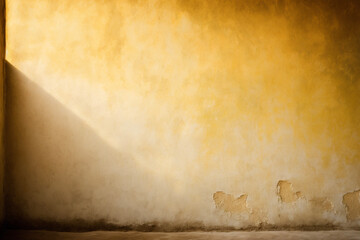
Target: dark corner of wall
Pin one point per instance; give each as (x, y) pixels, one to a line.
(2, 108)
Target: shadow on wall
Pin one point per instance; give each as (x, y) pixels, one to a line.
(61, 175)
(57, 166)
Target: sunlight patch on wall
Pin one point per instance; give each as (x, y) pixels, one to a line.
(201, 96)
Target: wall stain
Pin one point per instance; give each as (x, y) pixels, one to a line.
(228, 203)
(322, 203)
(351, 201)
(286, 193)
(238, 206)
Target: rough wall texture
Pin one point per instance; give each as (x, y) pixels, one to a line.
(216, 113)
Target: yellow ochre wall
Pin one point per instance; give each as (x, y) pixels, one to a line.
(183, 113)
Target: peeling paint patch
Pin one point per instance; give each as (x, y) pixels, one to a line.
(228, 203)
(352, 202)
(322, 203)
(286, 192)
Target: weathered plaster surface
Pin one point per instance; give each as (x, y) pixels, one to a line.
(137, 112)
(286, 192)
(352, 203)
(228, 203)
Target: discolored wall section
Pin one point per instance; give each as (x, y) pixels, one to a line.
(183, 113)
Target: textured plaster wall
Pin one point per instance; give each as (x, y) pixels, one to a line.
(184, 113)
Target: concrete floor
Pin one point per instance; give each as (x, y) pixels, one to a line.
(273, 235)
